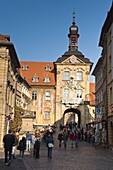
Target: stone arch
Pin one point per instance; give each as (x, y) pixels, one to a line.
(75, 111)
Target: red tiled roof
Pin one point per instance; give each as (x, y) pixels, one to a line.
(38, 69)
(92, 92)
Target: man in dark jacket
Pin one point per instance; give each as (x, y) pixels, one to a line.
(37, 148)
(49, 143)
(8, 140)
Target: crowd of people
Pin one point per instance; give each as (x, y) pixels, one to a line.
(70, 132)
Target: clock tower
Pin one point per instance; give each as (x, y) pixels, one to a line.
(73, 35)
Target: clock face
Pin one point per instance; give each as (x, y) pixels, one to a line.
(73, 60)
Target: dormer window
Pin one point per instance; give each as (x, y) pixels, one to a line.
(25, 67)
(35, 79)
(47, 68)
(47, 79)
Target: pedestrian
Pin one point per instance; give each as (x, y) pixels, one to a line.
(28, 141)
(49, 145)
(37, 148)
(8, 141)
(76, 139)
(60, 138)
(92, 139)
(65, 137)
(72, 138)
(22, 147)
(14, 147)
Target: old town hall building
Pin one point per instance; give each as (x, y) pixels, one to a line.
(48, 92)
(61, 90)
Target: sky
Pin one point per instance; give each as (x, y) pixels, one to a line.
(39, 28)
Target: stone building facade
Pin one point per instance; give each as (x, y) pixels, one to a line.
(11, 84)
(104, 74)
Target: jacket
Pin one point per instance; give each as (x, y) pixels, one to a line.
(49, 140)
(9, 141)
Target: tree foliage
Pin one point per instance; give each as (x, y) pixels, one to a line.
(16, 123)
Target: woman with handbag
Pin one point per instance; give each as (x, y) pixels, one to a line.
(49, 145)
(22, 147)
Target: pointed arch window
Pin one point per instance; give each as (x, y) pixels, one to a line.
(79, 75)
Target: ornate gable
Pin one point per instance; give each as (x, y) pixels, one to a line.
(72, 60)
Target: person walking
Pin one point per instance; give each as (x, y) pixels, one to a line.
(8, 141)
(37, 147)
(28, 141)
(49, 145)
(60, 138)
(65, 137)
(72, 138)
(22, 147)
(14, 147)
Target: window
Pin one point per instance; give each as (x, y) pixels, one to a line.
(47, 79)
(35, 79)
(47, 115)
(73, 41)
(66, 75)
(34, 95)
(47, 68)
(79, 75)
(34, 114)
(79, 93)
(24, 67)
(48, 94)
(66, 93)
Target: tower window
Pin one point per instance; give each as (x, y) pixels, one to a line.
(79, 75)
(73, 41)
(34, 95)
(66, 75)
(66, 93)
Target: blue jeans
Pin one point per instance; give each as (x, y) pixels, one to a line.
(21, 154)
(49, 152)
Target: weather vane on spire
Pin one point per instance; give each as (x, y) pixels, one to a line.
(73, 18)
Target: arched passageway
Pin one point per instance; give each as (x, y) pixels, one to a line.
(73, 111)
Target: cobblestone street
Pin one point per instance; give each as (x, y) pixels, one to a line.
(84, 158)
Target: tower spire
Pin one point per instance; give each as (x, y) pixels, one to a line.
(73, 18)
